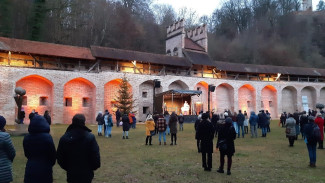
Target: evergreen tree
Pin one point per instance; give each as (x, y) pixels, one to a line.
(5, 18)
(37, 19)
(125, 98)
(321, 5)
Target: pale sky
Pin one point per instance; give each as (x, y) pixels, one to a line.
(202, 7)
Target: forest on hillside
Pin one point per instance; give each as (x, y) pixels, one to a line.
(272, 32)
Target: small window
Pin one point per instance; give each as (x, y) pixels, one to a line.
(43, 101)
(175, 52)
(248, 103)
(144, 94)
(85, 102)
(145, 110)
(168, 53)
(68, 102)
(24, 100)
(270, 104)
(262, 104)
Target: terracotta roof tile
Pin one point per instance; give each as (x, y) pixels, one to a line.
(189, 44)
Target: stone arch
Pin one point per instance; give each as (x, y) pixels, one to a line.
(322, 95)
(39, 94)
(310, 93)
(269, 100)
(200, 103)
(224, 97)
(247, 98)
(178, 85)
(289, 99)
(79, 97)
(110, 94)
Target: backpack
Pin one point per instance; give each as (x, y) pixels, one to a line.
(315, 136)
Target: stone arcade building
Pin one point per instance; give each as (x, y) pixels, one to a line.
(66, 80)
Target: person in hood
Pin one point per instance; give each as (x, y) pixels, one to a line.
(253, 119)
(78, 151)
(40, 152)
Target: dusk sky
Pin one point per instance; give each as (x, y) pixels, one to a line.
(202, 7)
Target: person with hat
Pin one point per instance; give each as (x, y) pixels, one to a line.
(78, 151)
(7, 153)
(40, 151)
(205, 133)
(150, 128)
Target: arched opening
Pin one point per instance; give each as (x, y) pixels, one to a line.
(269, 100)
(111, 89)
(308, 98)
(224, 97)
(200, 103)
(178, 85)
(289, 99)
(174, 103)
(79, 97)
(39, 95)
(247, 98)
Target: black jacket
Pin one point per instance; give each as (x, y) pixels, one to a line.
(227, 132)
(48, 119)
(205, 133)
(100, 119)
(126, 123)
(240, 119)
(262, 119)
(40, 152)
(78, 154)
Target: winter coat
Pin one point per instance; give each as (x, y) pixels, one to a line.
(22, 115)
(196, 124)
(118, 115)
(109, 121)
(150, 126)
(262, 119)
(126, 123)
(161, 124)
(291, 124)
(308, 132)
(167, 118)
(240, 119)
(130, 119)
(227, 132)
(320, 122)
(214, 121)
(205, 133)
(78, 154)
(181, 119)
(253, 119)
(7, 155)
(100, 119)
(173, 123)
(40, 151)
(303, 122)
(48, 118)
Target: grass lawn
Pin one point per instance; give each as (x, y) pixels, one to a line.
(267, 159)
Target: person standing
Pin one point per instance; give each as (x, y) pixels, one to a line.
(78, 151)
(303, 122)
(283, 119)
(31, 115)
(291, 129)
(173, 128)
(262, 121)
(155, 119)
(108, 125)
(310, 140)
(134, 119)
(22, 115)
(40, 151)
(268, 122)
(181, 122)
(214, 121)
(240, 122)
(167, 116)
(320, 122)
(205, 133)
(246, 122)
(131, 115)
(126, 126)
(7, 153)
(162, 125)
(150, 126)
(253, 119)
(47, 117)
(234, 121)
(226, 145)
(198, 143)
(118, 117)
(100, 122)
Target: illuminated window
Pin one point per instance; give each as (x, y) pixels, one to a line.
(43, 101)
(144, 94)
(24, 100)
(68, 102)
(85, 102)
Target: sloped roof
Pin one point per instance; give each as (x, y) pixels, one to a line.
(268, 69)
(198, 58)
(112, 53)
(190, 44)
(180, 93)
(41, 48)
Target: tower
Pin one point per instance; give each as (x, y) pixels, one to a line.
(307, 5)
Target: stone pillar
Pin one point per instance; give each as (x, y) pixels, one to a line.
(279, 101)
(299, 101)
(258, 99)
(7, 102)
(236, 104)
(99, 101)
(58, 103)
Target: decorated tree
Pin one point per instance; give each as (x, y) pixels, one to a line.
(125, 98)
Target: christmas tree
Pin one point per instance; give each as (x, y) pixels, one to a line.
(125, 98)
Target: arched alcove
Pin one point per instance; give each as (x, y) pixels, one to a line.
(289, 99)
(269, 100)
(224, 97)
(247, 98)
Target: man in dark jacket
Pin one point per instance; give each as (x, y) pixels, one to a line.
(240, 121)
(262, 120)
(118, 117)
(205, 133)
(78, 151)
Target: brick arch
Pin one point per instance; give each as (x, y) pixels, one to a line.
(110, 94)
(79, 96)
(224, 97)
(200, 103)
(269, 100)
(310, 93)
(39, 94)
(247, 98)
(178, 85)
(289, 99)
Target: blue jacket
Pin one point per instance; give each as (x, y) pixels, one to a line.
(253, 119)
(40, 152)
(7, 155)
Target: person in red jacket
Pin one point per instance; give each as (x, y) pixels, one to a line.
(320, 122)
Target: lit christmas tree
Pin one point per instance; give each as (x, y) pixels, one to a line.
(125, 98)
